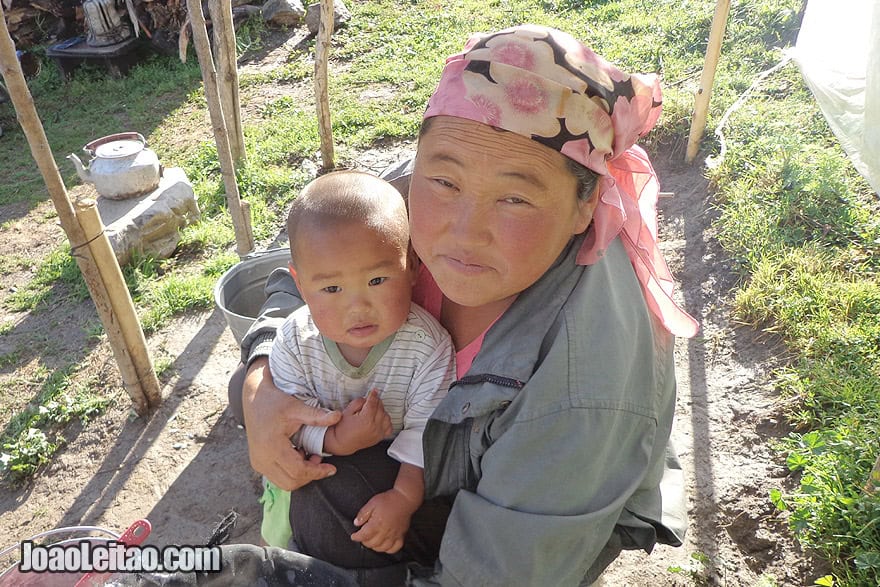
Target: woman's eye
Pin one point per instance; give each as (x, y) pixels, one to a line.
(515, 200)
(331, 289)
(377, 280)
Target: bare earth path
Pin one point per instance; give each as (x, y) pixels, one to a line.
(187, 466)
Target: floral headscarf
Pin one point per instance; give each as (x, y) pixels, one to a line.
(543, 84)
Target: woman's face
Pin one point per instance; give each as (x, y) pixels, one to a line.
(490, 210)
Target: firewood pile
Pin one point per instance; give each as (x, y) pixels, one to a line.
(39, 22)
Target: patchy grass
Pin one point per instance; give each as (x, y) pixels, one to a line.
(805, 228)
(34, 434)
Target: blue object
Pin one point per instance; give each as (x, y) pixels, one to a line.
(68, 43)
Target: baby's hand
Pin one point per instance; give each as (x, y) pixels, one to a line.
(364, 423)
(383, 521)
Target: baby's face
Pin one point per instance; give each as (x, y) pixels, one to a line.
(358, 285)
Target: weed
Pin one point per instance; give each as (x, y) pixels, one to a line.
(695, 569)
(32, 436)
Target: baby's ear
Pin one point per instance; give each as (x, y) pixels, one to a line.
(292, 270)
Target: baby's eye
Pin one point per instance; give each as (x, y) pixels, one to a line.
(332, 289)
(443, 182)
(377, 280)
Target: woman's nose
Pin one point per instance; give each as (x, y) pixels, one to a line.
(470, 223)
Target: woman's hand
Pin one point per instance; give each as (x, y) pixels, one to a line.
(271, 417)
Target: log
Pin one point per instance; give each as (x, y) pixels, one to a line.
(79, 239)
(240, 223)
(322, 99)
(704, 92)
(122, 307)
(227, 69)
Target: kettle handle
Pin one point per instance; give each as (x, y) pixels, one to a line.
(121, 136)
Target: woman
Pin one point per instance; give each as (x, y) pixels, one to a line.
(551, 446)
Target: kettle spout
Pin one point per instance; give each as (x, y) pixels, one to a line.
(84, 173)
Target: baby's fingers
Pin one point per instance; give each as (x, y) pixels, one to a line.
(364, 515)
(355, 406)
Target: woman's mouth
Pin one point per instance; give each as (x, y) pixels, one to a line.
(465, 266)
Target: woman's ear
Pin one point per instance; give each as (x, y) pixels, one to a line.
(413, 263)
(585, 211)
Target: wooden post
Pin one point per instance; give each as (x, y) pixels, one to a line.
(122, 307)
(240, 223)
(42, 154)
(874, 478)
(704, 92)
(227, 75)
(322, 99)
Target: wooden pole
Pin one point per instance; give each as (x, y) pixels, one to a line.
(120, 298)
(874, 478)
(704, 92)
(322, 100)
(27, 116)
(240, 223)
(227, 70)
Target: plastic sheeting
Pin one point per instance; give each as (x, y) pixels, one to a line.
(838, 52)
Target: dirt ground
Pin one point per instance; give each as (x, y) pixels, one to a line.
(187, 467)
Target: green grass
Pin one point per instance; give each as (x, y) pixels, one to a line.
(59, 268)
(802, 225)
(35, 433)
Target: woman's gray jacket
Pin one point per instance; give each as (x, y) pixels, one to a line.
(555, 443)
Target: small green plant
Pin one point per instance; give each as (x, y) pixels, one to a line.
(26, 453)
(695, 569)
(33, 435)
(9, 359)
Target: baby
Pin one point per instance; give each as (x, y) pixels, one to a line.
(359, 345)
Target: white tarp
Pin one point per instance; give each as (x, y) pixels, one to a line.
(838, 52)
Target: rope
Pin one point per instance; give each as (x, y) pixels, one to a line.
(714, 162)
(73, 250)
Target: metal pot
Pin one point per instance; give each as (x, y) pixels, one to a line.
(121, 166)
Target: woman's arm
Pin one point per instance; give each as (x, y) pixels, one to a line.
(551, 492)
(271, 418)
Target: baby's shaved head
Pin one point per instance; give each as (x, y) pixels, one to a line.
(336, 199)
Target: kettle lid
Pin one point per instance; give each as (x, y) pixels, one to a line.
(116, 149)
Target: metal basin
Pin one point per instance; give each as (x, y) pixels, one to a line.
(240, 291)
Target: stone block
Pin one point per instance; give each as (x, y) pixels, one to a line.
(150, 224)
(341, 15)
(284, 12)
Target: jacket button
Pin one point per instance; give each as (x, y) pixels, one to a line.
(465, 407)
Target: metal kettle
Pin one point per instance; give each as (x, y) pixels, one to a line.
(121, 166)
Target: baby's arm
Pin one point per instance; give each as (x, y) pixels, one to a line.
(364, 423)
(384, 520)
